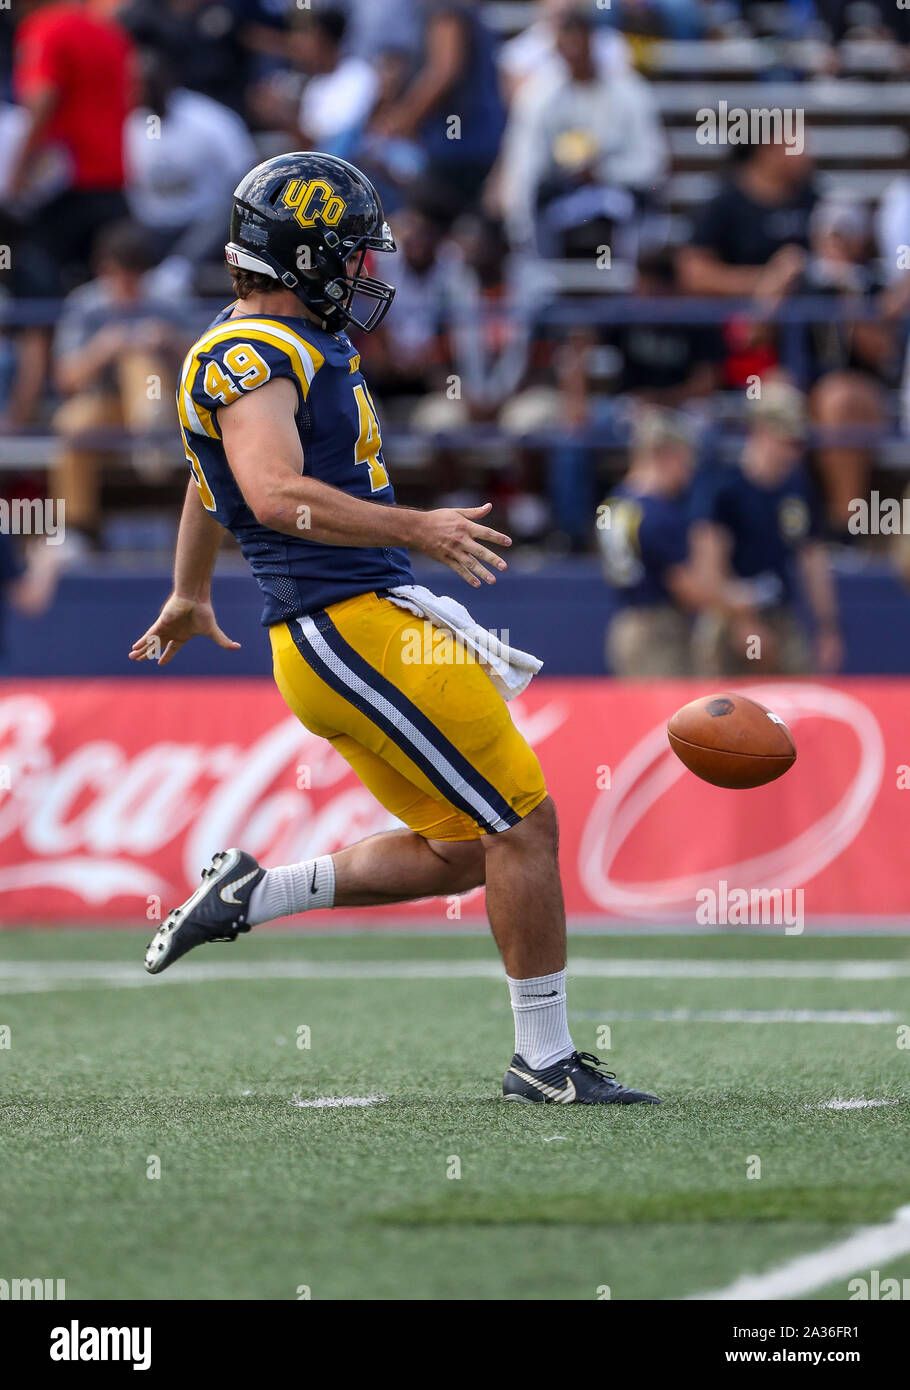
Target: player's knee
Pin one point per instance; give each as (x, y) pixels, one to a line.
(536, 834)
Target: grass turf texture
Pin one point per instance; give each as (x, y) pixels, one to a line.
(257, 1198)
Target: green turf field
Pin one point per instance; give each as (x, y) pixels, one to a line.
(107, 1071)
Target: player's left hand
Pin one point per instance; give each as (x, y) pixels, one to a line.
(179, 620)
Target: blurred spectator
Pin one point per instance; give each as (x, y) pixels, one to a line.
(373, 27)
(893, 238)
(750, 241)
(642, 534)
(341, 88)
(470, 355)
(581, 152)
(116, 352)
(751, 237)
(452, 106)
(670, 364)
(185, 155)
(392, 162)
(217, 42)
(486, 347)
(72, 75)
(756, 548)
(674, 365)
(892, 228)
(534, 53)
(850, 360)
(404, 357)
(24, 348)
(883, 18)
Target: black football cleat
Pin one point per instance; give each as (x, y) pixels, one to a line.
(576, 1080)
(215, 912)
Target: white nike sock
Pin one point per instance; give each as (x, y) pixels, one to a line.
(294, 888)
(542, 1034)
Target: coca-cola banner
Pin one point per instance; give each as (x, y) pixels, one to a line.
(113, 795)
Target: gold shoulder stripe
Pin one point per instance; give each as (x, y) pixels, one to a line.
(305, 361)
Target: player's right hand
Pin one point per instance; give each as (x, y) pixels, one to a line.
(179, 620)
(453, 536)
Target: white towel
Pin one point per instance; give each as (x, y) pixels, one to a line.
(509, 668)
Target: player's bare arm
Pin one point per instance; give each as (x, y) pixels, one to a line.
(263, 449)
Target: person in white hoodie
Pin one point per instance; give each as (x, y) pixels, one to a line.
(534, 52)
(185, 153)
(580, 146)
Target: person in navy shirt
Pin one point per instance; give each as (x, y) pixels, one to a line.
(642, 529)
(757, 549)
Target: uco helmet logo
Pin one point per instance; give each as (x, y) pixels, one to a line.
(311, 200)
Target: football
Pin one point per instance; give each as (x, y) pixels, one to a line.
(731, 741)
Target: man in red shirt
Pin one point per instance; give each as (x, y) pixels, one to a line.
(72, 74)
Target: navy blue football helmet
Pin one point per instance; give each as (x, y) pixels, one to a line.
(303, 218)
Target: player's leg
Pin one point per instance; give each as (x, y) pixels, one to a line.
(527, 917)
(524, 895)
(439, 749)
(395, 866)
(442, 855)
(445, 728)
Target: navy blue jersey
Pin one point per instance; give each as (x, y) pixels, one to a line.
(767, 525)
(646, 537)
(342, 446)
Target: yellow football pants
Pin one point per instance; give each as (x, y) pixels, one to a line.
(417, 718)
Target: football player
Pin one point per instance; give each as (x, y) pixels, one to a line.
(285, 451)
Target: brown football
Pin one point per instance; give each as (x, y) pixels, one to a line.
(731, 741)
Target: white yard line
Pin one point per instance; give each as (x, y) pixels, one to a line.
(867, 1016)
(856, 1103)
(29, 977)
(868, 1248)
(335, 1102)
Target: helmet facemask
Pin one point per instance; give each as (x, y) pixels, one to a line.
(346, 286)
